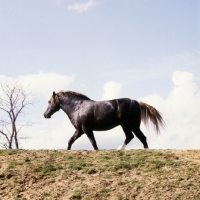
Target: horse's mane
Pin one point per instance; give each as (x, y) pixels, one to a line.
(75, 94)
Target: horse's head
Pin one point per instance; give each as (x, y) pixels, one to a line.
(54, 106)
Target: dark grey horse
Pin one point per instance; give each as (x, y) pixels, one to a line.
(87, 116)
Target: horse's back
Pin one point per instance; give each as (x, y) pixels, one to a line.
(122, 106)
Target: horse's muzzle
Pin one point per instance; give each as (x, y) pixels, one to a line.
(47, 116)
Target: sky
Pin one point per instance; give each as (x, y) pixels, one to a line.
(106, 49)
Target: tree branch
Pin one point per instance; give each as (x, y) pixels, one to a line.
(13, 103)
(5, 135)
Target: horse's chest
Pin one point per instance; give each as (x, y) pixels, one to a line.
(78, 119)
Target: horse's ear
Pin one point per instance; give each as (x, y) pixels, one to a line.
(54, 94)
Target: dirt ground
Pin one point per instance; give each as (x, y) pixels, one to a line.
(104, 174)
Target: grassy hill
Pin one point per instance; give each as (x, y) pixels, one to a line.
(104, 174)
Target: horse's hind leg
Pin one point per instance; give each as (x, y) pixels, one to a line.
(76, 135)
(141, 137)
(129, 136)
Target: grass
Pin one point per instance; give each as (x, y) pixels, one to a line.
(115, 161)
(76, 194)
(12, 164)
(99, 174)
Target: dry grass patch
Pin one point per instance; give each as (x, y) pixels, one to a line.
(104, 174)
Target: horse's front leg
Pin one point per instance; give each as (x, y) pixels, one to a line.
(91, 137)
(76, 135)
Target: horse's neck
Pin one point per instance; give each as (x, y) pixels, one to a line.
(70, 105)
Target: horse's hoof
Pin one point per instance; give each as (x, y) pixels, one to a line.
(122, 147)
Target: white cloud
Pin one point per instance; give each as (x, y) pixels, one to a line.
(42, 83)
(181, 112)
(111, 90)
(81, 7)
(46, 83)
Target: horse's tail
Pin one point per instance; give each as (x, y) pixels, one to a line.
(149, 113)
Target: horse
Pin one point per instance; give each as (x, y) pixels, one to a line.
(87, 115)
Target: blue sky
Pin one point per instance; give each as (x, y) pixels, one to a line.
(105, 49)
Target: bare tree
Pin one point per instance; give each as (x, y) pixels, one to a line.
(13, 102)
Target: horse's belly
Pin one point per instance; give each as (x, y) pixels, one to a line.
(103, 126)
(105, 115)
